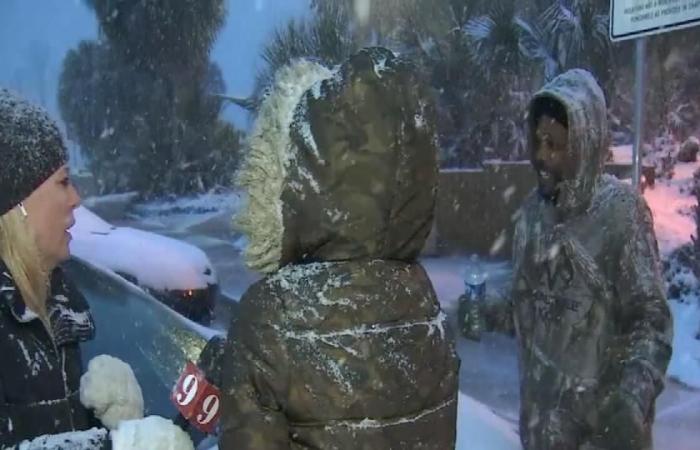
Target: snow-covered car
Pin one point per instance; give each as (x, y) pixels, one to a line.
(176, 273)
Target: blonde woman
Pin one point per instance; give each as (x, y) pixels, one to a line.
(43, 318)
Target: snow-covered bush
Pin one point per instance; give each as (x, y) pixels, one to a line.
(689, 150)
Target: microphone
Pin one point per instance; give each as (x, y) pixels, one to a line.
(196, 394)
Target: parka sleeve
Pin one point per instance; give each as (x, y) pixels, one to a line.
(644, 315)
(254, 380)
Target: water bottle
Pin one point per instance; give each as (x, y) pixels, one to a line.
(472, 302)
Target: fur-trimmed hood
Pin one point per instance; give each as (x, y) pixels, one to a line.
(342, 164)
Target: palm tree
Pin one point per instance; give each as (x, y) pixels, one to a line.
(495, 40)
(161, 34)
(569, 34)
(326, 37)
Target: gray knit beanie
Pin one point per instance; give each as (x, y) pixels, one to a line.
(31, 149)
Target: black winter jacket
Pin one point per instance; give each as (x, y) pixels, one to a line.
(41, 368)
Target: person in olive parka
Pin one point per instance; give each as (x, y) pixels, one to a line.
(342, 345)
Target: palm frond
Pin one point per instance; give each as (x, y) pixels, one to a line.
(535, 46)
(496, 38)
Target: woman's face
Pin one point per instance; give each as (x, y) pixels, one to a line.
(50, 215)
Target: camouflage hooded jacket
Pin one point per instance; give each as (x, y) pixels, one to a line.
(588, 301)
(343, 344)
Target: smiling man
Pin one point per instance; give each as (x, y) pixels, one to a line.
(550, 145)
(587, 302)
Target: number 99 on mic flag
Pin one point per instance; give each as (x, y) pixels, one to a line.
(197, 400)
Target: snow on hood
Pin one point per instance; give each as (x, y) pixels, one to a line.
(586, 109)
(264, 169)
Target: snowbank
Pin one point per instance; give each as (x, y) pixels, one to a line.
(200, 204)
(156, 261)
(112, 206)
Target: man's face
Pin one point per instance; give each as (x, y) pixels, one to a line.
(551, 158)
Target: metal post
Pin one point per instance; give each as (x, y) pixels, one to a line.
(640, 66)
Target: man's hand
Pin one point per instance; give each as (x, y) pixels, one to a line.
(622, 422)
(557, 431)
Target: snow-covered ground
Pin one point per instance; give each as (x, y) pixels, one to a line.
(478, 428)
(488, 399)
(488, 380)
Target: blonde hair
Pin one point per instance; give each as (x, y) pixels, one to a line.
(19, 252)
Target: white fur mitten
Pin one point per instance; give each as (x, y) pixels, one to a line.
(151, 433)
(109, 387)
